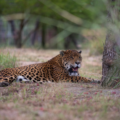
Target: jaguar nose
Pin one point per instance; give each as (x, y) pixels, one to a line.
(77, 63)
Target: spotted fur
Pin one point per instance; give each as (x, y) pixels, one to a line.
(63, 67)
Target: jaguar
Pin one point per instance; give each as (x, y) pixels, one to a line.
(63, 67)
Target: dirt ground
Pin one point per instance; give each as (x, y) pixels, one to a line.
(58, 101)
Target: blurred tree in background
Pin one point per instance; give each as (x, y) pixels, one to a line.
(69, 17)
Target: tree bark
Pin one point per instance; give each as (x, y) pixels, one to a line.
(108, 61)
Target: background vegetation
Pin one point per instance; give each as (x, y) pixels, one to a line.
(50, 24)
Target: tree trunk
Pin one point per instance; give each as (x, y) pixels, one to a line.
(110, 61)
(43, 35)
(17, 34)
(71, 38)
(110, 75)
(37, 25)
(19, 37)
(13, 29)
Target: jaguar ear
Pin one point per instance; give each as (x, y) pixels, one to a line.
(61, 53)
(80, 51)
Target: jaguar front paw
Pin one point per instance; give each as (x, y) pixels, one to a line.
(4, 84)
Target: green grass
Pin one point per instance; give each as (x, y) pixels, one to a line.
(7, 61)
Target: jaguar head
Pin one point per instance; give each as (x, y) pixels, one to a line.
(71, 60)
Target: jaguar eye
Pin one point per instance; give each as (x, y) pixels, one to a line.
(72, 57)
(79, 57)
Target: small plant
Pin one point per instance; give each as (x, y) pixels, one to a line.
(7, 61)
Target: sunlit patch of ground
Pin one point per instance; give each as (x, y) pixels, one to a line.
(58, 101)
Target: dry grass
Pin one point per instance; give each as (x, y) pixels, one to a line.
(59, 101)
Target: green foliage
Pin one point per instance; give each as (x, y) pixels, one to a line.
(69, 16)
(87, 10)
(7, 61)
